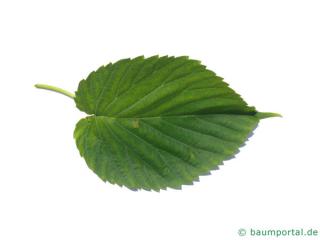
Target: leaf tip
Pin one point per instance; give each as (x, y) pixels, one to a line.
(263, 115)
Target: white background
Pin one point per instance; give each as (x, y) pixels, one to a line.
(269, 52)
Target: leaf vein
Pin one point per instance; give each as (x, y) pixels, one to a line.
(202, 133)
(99, 98)
(158, 149)
(132, 148)
(154, 90)
(179, 141)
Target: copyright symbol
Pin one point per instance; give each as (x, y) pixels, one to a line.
(242, 232)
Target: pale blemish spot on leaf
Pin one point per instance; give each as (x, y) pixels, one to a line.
(135, 123)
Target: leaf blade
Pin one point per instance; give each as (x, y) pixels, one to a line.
(159, 122)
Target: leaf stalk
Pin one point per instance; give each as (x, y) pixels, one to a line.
(55, 89)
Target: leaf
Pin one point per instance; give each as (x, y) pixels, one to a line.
(159, 122)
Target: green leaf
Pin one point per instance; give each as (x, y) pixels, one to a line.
(159, 122)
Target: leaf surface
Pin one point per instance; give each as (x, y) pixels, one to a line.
(159, 122)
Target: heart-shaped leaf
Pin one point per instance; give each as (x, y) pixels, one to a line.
(159, 122)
